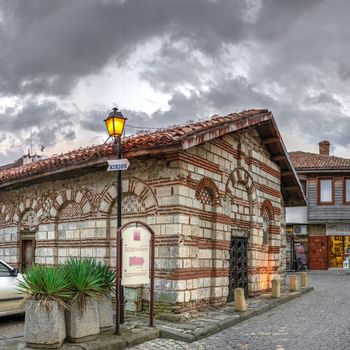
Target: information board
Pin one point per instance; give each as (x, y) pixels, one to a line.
(136, 253)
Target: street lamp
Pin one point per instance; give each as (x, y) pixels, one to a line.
(115, 126)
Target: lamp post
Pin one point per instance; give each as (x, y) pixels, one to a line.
(115, 126)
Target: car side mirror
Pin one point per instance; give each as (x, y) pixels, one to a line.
(14, 272)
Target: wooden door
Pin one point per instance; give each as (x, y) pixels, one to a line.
(318, 253)
(27, 253)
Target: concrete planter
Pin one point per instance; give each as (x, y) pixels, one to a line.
(105, 312)
(44, 327)
(83, 325)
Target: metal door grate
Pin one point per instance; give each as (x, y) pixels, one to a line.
(238, 275)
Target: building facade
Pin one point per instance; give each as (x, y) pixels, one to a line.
(214, 192)
(323, 227)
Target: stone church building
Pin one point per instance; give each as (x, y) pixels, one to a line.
(214, 192)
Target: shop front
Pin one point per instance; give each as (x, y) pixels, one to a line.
(338, 245)
(297, 248)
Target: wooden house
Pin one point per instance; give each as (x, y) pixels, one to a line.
(323, 227)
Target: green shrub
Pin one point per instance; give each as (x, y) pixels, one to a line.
(84, 280)
(108, 277)
(46, 284)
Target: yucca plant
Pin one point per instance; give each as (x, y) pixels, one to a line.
(84, 280)
(105, 309)
(46, 284)
(108, 276)
(48, 291)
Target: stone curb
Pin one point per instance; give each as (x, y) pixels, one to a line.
(143, 336)
(120, 343)
(229, 321)
(105, 342)
(333, 273)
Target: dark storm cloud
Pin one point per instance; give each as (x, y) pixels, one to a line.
(304, 47)
(34, 114)
(92, 120)
(277, 17)
(223, 97)
(316, 125)
(323, 98)
(173, 66)
(48, 45)
(210, 56)
(42, 123)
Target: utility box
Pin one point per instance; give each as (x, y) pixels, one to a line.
(133, 298)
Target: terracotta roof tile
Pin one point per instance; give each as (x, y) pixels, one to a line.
(159, 138)
(306, 160)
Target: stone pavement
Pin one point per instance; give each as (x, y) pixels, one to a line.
(216, 320)
(11, 329)
(317, 321)
(132, 333)
(135, 330)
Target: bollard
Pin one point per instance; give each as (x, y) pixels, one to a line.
(293, 283)
(303, 280)
(240, 303)
(276, 288)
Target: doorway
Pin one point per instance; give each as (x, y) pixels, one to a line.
(317, 252)
(27, 252)
(338, 250)
(238, 275)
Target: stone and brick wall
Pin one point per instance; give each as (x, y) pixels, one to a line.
(195, 200)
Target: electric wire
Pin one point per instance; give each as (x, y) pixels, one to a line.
(140, 127)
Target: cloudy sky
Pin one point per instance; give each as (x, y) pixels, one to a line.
(65, 63)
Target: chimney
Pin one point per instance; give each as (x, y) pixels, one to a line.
(324, 148)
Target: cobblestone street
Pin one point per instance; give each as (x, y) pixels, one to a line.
(11, 327)
(318, 320)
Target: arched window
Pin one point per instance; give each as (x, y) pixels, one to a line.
(266, 227)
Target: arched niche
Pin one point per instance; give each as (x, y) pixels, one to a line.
(207, 192)
(71, 211)
(28, 221)
(138, 203)
(132, 185)
(240, 206)
(27, 227)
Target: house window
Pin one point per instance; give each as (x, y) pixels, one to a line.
(325, 191)
(346, 190)
(266, 227)
(303, 186)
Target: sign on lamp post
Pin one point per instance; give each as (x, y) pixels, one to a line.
(118, 164)
(115, 123)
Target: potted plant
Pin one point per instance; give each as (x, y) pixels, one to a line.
(105, 309)
(82, 318)
(47, 290)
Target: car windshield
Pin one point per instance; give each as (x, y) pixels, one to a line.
(4, 271)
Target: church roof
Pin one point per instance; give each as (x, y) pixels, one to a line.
(167, 140)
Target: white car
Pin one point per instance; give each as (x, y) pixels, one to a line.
(11, 300)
